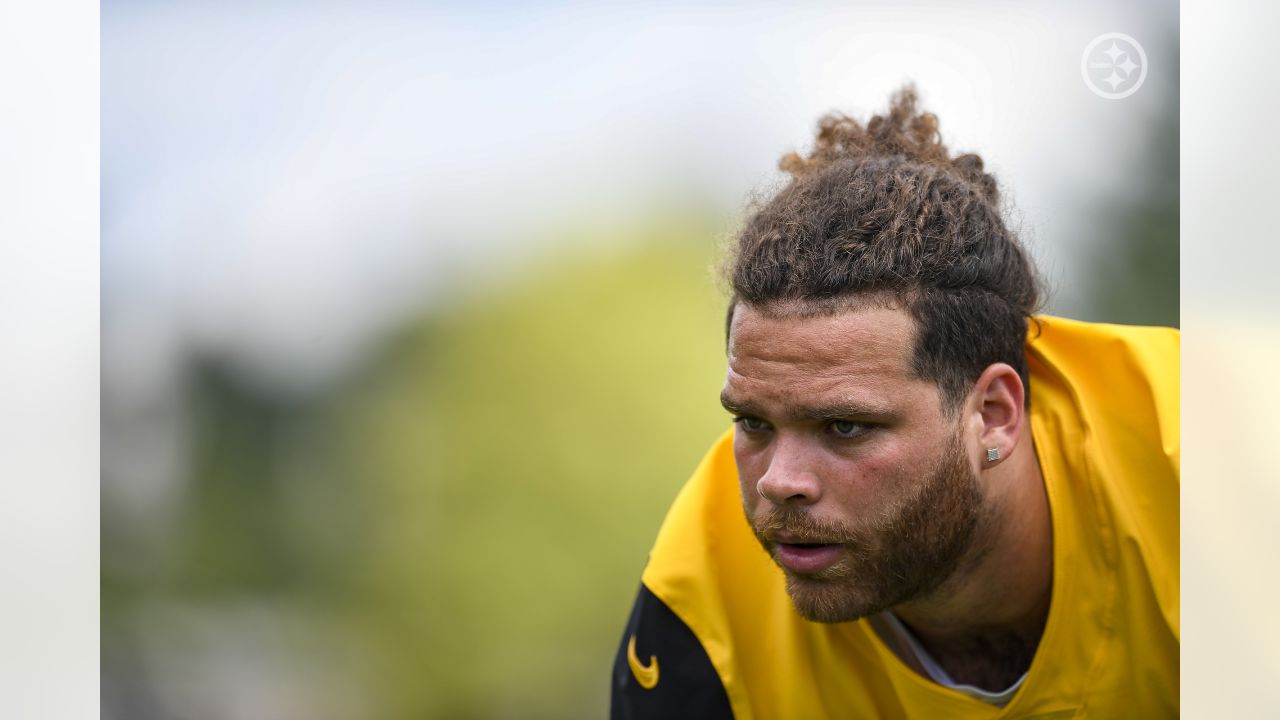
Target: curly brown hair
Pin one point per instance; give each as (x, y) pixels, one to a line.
(883, 211)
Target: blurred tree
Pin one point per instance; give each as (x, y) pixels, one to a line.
(459, 527)
(525, 449)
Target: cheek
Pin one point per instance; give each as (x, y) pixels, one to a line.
(884, 469)
(752, 465)
(858, 481)
(748, 471)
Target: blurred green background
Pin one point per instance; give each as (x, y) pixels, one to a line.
(320, 503)
(457, 527)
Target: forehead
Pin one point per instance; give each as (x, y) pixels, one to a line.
(863, 351)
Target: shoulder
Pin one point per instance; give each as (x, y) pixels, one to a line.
(661, 669)
(1080, 343)
(1122, 380)
(1107, 398)
(1082, 347)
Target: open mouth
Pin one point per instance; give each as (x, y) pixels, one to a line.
(806, 557)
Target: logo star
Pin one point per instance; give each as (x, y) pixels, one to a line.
(1113, 65)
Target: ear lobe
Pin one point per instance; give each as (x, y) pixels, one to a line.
(998, 396)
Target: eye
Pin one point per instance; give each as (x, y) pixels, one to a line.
(848, 428)
(751, 424)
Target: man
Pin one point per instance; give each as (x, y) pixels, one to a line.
(933, 503)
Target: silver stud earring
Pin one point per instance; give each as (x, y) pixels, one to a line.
(993, 454)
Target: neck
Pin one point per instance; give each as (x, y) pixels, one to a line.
(984, 623)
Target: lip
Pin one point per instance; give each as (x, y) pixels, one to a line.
(807, 558)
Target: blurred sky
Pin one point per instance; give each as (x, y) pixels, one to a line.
(283, 181)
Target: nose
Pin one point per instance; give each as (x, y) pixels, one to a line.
(791, 476)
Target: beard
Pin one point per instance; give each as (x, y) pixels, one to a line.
(905, 553)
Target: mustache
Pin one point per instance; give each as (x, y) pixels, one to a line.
(792, 523)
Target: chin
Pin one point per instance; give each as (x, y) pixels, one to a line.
(826, 601)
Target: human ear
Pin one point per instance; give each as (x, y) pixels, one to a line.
(997, 410)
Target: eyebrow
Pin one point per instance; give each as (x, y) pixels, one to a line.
(828, 411)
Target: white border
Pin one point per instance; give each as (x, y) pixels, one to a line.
(49, 470)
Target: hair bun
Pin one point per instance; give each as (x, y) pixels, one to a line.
(905, 132)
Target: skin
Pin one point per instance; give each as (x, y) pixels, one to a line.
(835, 435)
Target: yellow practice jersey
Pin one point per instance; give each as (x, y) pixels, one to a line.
(714, 634)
